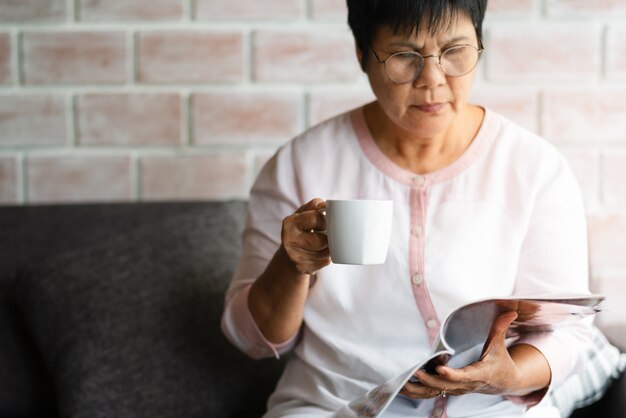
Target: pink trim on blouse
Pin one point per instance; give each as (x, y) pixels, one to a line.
(483, 139)
(243, 320)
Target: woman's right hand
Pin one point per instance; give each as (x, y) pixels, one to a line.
(277, 298)
(306, 249)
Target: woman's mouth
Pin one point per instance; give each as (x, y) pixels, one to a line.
(431, 107)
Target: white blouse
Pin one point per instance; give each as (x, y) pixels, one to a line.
(505, 218)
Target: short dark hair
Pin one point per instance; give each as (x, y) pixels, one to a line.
(365, 17)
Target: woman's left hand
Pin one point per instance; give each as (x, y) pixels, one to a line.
(518, 370)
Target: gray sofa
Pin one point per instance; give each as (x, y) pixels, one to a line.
(113, 311)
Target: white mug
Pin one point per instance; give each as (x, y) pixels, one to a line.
(358, 230)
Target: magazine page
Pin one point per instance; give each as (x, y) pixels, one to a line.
(374, 402)
(468, 326)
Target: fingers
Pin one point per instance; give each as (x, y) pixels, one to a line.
(420, 391)
(497, 333)
(309, 217)
(492, 374)
(306, 248)
(431, 386)
(311, 220)
(312, 204)
(442, 384)
(501, 325)
(457, 381)
(299, 230)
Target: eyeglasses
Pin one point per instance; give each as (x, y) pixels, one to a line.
(405, 67)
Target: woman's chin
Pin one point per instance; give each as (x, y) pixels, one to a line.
(427, 125)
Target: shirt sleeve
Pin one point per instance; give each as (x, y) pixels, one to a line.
(240, 328)
(273, 197)
(554, 260)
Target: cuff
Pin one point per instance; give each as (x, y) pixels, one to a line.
(249, 337)
(556, 354)
(529, 400)
(558, 360)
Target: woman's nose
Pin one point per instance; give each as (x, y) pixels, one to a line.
(431, 74)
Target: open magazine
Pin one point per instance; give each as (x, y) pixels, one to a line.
(464, 329)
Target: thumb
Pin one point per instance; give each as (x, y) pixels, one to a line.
(497, 332)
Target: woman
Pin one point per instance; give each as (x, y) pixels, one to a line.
(482, 208)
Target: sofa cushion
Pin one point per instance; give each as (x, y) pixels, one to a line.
(129, 326)
(25, 389)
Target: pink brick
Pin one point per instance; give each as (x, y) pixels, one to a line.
(304, 56)
(74, 57)
(616, 52)
(8, 180)
(247, 118)
(517, 105)
(329, 9)
(32, 120)
(606, 239)
(130, 10)
(41, 11)
(585, 163)
(125, 119)
(614, 176)
(516, 7)
(78, 179)
(585, 8)
(543, 52)
(193, 177)
(5, 58)
(327, 103)
(171, 57)
(250, 9)
(588, 116)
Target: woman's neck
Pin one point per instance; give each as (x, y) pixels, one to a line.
(423, 155)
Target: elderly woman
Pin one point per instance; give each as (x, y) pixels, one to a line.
(482, 208)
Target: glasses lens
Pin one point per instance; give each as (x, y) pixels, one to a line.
(403, 66)
(459, 60)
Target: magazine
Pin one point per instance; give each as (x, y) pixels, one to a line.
(465, 328)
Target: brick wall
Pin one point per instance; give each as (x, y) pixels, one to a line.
(135, 100)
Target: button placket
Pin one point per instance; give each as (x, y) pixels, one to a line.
(432, 323)
(418, 180)
(439, 409)
(417, 279)
(418, 199)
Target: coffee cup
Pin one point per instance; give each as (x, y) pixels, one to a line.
(358, 230)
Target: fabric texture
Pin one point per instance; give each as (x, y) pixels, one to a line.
(25, 387)
(605, 365)
(128, 325)
(505, 218)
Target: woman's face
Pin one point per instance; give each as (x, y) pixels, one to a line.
(427, 106)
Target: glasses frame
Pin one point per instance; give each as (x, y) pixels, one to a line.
(480, 50)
